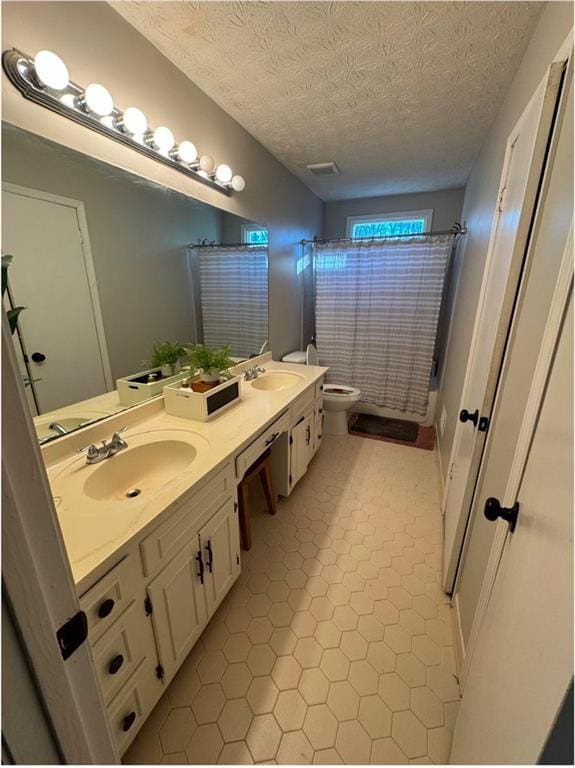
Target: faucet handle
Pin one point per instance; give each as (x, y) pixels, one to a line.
(92, 451)
(119, 431)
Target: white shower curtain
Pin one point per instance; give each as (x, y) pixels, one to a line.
(377, 308)
(234, 297)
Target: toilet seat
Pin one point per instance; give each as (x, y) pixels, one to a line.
(340, 392)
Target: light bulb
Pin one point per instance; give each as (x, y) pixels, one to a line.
(187, 152)
(207, 163)
(224, 173)
(204, 174)
(163, 139)
(98, 100)
(51, 70)
(134, 121)
(238, 183)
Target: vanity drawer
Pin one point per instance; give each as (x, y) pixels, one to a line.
(108, 598)
(161, 545)
(247, 457)
(119, 651)
(319, 389)
(129, 709)
(301, 406)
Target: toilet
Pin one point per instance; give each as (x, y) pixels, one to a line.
(337, 398)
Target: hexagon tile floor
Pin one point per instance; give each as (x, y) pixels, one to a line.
(335, 644)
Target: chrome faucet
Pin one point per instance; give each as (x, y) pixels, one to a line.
(95, 454)
(56, 427)
(253, 373)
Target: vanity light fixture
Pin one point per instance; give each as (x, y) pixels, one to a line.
(187, 152)
(224, 173)
(133, 121)
(51, 71)
(45, 80)
(207, 163)
(98, 100)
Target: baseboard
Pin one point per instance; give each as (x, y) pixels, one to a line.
(458, 637)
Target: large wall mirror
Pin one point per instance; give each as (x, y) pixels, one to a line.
(108, 266)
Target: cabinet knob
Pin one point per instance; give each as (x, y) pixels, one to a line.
(38, 357)
(128, 721)
(116, 664)
(106, 608)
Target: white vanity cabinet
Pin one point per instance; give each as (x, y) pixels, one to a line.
(148, 611)
(301, 447)
(178, 606)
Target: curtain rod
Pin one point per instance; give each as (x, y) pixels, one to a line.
(455, 230)
(213, 244)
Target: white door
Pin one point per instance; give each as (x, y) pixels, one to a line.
(301, 448)
(179, 606)
(220, 541)
(49, 277)
(522, 171)
(523, 661)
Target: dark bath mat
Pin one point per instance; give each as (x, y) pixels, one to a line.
(392, 430)
(377, 426)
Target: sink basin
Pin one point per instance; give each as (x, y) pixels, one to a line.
(152, 460)
(273, 382)
(138, 470)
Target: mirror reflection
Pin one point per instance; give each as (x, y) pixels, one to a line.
(118, 278)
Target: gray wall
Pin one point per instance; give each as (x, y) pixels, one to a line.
(98, 45)
(479, 205)
(446, 204)
(138, 236)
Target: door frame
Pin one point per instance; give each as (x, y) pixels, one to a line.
(82, 220)
(38, 582)
(563, 288)
(519, 267)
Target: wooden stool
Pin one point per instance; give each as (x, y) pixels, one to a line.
(261, 467)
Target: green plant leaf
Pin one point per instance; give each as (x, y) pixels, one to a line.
(210, 361)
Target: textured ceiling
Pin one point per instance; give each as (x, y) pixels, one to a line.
(399, 94)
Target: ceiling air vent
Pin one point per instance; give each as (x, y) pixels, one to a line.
(323, 169)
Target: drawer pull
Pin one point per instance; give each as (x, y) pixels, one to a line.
(208, 548)
(128, 721)
(273, 438)
(106, 608)
(201, 566)
(116, 664)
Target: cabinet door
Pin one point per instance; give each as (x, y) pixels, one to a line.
(179, 606)
(318, 425)
(220, 541)
(301, 448)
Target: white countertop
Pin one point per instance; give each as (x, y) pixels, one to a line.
(94, 532)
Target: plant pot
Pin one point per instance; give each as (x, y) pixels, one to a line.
(171, 369)
(210, 378)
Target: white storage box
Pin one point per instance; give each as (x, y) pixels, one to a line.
(136, 389)
(184, 402)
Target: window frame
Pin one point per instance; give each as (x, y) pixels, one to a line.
(247, 228)
(426, 214)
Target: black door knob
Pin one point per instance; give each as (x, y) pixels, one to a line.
(116, 664)
(493, 510)
(105, 608)
(128, 721)
(38, 357)
(472, 417)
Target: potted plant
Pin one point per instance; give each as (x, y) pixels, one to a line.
(210, 362)
(167, 355)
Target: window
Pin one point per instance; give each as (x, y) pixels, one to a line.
(385, 224)
(255, 235)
